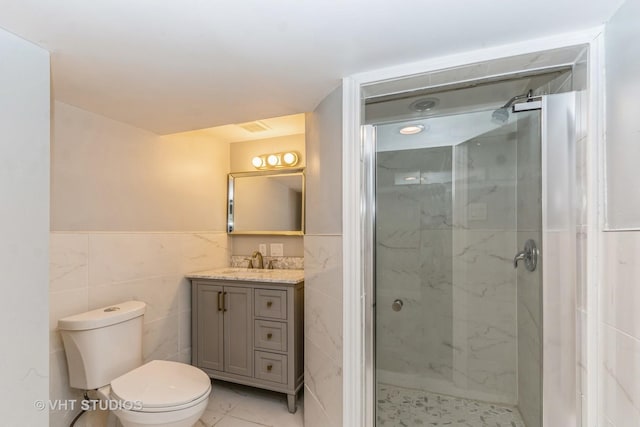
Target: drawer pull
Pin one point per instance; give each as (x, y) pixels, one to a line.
(269, 367)
(219, 301)
(269, 304)
(269, 335)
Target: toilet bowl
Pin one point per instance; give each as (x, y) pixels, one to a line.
(159, 393)
(104, 353)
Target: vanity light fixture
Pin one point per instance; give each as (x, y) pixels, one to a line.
(287, 159)
(257, 162)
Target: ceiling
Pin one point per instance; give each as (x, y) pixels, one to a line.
(169, 66)
(293, 124)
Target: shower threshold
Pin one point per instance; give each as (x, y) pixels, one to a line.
(404, 407)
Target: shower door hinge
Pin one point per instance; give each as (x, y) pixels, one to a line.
(527, 106)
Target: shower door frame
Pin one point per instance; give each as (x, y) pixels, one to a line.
(358, 374)
(558, 329)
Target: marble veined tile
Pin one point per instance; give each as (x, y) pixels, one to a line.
(68, 261)
(621, 365)
(119, 257)
(203, 251)
(323, 265)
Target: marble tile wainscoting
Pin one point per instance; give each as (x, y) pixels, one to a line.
(89, 270)
(621, 329)
(323, 330)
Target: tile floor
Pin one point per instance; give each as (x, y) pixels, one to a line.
(399, 406)
(234, 405)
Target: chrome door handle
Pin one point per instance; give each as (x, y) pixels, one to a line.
(397, 305)
(529, 255)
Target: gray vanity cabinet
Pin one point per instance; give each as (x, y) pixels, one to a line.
(250, 333)
(224, 328)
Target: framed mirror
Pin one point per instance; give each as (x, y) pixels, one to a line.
(266, 202)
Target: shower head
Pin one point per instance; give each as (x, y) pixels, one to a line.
(501, 115)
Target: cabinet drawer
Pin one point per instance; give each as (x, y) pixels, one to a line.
(271, 304)
(271, 367)
(270, 335)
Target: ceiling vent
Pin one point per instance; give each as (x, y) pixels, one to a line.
(254, 127)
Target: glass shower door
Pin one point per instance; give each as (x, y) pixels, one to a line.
(457, 327)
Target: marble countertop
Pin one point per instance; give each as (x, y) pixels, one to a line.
(251, 275)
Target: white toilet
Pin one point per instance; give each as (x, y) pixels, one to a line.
(104, 353)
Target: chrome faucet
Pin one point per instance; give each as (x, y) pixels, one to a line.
(258, 254)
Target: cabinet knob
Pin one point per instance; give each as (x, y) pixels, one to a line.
(269, 368)
(269, 304)
(269, 335)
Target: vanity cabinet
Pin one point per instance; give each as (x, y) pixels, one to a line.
(225, 329)
(250, 333)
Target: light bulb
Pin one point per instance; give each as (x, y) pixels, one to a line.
(290, 158)
(272, 160)
(257, 162)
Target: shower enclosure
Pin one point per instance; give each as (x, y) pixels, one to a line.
(473, 303)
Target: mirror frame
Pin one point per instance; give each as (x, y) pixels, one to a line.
(231, 196)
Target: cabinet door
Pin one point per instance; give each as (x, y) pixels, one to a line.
(210, 342)
(238, 330)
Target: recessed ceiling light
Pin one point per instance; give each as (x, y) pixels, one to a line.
(411, 129)
(424, 104)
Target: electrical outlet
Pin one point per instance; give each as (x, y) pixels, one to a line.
(277, 249)
(262, 247)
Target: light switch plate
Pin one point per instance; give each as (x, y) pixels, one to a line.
(262, 247)
(277, 249)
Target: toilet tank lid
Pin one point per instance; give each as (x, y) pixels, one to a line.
(101, 317)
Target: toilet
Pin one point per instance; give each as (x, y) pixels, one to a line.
(104, 353)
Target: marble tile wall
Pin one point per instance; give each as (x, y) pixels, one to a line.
(484, 291)
(450, 262)
(621, 328)
(93, 269)
(323, 328)
(414, 264)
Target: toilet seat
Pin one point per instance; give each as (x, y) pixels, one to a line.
(162, 386)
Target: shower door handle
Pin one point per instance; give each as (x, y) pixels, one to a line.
(520, 256)
(529, 255)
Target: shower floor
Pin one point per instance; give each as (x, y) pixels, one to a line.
(397, 406)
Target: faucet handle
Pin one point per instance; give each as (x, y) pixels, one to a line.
(250, 265)
(270, 265)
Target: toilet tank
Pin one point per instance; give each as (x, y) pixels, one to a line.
(102, 344)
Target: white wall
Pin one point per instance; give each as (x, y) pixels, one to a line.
(110, 176)
(622, 52)
(132, 213)
(24, 230)
(620, 292)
